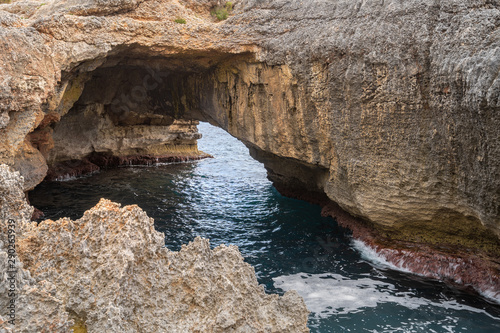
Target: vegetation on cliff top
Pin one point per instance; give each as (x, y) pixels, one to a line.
(222, 12)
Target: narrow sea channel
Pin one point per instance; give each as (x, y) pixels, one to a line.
(229, 200)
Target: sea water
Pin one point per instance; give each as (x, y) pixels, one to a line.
(229, 200)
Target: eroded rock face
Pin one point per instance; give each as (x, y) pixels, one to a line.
(36, 308)
(111, 270)
(390, 108)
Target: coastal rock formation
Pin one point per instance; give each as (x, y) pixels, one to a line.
(35, 301)
(390, 108)
(110, 272)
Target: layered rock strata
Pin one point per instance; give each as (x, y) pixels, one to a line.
(110, 272)
(389, 108)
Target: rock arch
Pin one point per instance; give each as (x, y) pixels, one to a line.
(380, 106)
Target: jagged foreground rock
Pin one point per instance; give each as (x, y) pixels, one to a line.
(111, 270)
(38, 306)
(390, 108)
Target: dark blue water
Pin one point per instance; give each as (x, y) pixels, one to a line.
(229, 200)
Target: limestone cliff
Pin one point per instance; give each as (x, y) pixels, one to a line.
(390, 108)
(111, 272)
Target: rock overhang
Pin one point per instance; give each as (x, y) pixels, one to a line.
(398, 113)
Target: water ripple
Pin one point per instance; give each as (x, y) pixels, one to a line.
(229, 200)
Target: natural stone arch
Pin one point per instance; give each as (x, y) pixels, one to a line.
(399, 114)
(137, 108)
(132, 108)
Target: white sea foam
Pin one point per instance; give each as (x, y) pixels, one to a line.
(493, 295)
(369, 254)
(328, 294)
(333, 294)
(378, 260)
(65, 178)
(157, 164)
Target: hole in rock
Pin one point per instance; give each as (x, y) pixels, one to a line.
(136, 108)
(133, 110)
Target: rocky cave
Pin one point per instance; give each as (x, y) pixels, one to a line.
(137, 107)
(375, 110)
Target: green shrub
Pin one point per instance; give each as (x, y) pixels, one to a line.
(222, 13)
(5, 1)
(180, 21)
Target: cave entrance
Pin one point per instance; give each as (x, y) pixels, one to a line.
(135, 109)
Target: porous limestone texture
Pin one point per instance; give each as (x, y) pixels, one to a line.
(111, 271)
(36, 306)
(390, 108)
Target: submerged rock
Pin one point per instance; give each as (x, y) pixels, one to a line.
(111, 271)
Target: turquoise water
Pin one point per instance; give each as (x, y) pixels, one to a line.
(229, 200)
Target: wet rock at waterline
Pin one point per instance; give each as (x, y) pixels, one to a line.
(110, 271)
(389, 108)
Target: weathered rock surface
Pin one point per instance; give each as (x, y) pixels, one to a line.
(390, 108)
(111, 271)
(35, 302)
